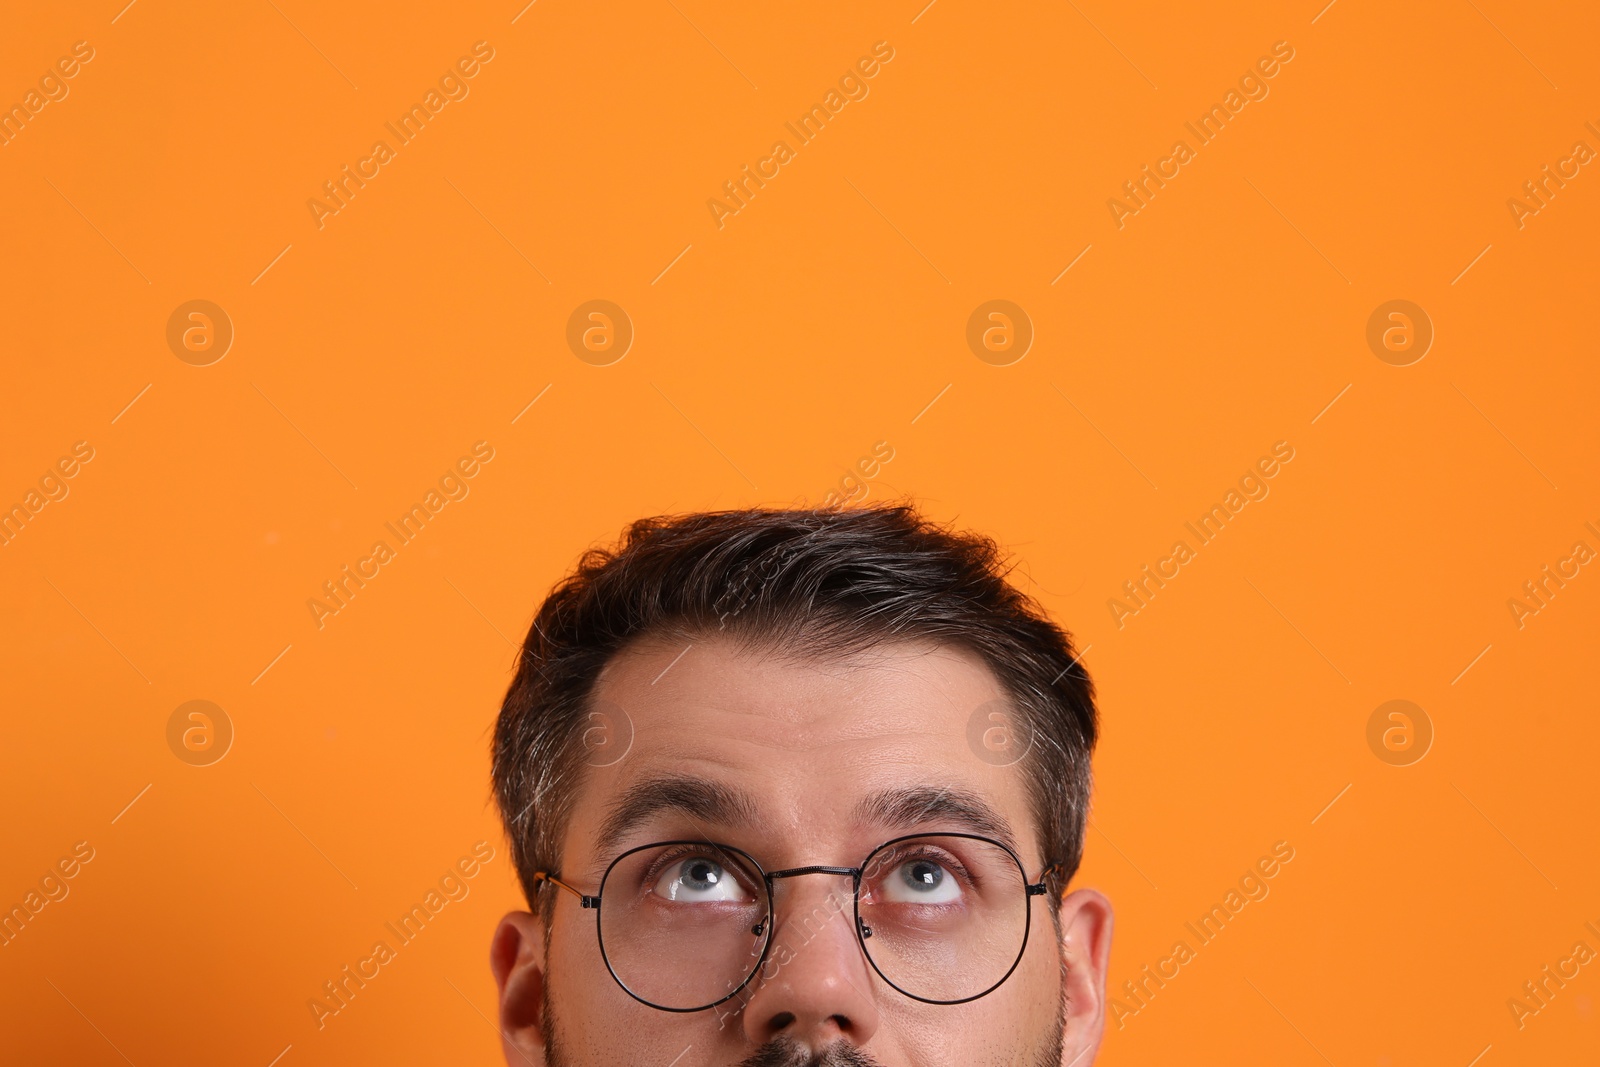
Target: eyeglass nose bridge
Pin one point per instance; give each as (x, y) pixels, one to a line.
(795, 872)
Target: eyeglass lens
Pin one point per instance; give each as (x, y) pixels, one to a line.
(684, 925)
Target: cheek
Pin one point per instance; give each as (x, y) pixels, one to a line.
(1012, 1025)
(1044, 960)
(597, 1022)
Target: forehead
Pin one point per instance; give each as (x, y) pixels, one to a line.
(811, 751)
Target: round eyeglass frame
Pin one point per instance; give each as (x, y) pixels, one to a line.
(764, 927)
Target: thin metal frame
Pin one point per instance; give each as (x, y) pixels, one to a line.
(764, 927)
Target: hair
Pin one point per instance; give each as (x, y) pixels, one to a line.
(803, 583)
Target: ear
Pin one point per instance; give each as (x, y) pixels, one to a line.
(516, 956)
(1086, 948)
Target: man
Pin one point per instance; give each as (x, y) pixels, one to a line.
(794, 788)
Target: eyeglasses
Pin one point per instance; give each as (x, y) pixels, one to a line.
(943, 918)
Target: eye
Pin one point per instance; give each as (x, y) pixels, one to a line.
(698, 879)
(921, 881)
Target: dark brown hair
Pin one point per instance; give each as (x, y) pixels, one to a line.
(802, 582)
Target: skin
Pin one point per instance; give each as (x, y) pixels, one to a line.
(806, 740)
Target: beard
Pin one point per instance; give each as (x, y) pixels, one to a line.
(782, 1052)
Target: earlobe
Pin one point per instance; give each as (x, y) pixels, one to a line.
(1086, 947)
(516, 956)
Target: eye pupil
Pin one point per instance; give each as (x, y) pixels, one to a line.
(923, 875)
(701, 874)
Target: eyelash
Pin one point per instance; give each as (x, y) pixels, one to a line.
(944, 860)
(679, 852)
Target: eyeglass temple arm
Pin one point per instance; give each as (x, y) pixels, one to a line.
(1040, 888)
(584, 900)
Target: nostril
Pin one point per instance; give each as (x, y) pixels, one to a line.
(781, 1021)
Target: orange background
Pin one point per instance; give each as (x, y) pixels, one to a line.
(769, 356)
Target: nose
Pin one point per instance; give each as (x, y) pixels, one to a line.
(815, 986)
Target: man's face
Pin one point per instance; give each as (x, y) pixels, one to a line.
(808, 747)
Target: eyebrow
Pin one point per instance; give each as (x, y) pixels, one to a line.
(699, 799)
(703, 801)
(912, 806)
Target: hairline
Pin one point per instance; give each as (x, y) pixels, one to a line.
(809, 643)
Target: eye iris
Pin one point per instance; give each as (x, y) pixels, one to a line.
(700, 875)
(923, 876)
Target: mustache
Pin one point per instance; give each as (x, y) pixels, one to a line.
(786, 1053)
